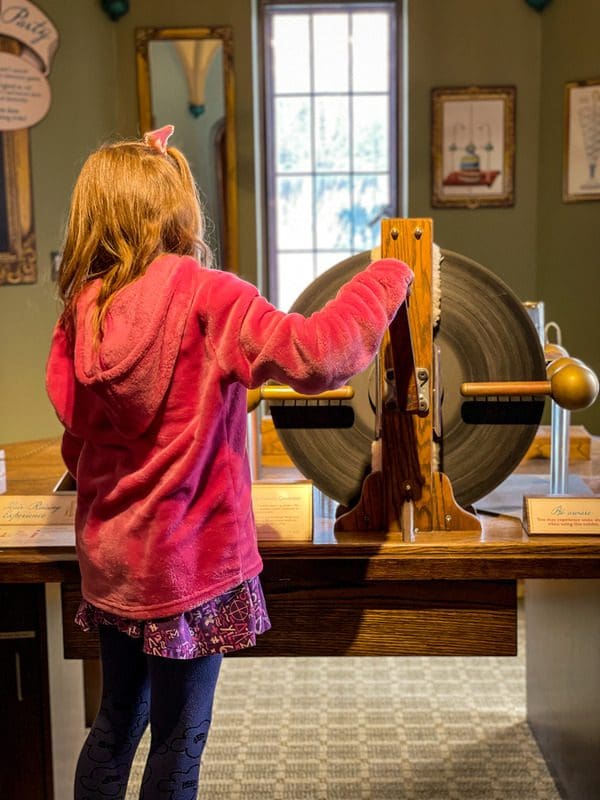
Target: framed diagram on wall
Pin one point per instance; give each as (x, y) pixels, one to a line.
(473, 146)
(581, 162)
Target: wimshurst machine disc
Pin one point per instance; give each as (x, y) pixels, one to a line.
(446, 411)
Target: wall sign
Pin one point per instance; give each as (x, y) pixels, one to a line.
(25, 22)
(24, 93)
(24, 87)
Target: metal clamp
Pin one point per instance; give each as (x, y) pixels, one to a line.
(423, 388)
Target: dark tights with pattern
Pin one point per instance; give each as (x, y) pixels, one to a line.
(175, 697)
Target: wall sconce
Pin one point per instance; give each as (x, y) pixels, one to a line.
(196, 58)
(115, 8)
(539, 5)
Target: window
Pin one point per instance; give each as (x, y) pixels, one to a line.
(330, 135)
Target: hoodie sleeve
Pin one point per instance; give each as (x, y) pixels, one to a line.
(255, 342)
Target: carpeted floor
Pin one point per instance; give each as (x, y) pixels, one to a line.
(371, 729)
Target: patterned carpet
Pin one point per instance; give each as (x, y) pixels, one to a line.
(371, 729)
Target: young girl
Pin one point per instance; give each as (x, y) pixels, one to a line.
(148, 371)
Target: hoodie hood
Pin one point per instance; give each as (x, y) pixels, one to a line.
(130, 370)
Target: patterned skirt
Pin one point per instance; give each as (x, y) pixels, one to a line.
(229, 622)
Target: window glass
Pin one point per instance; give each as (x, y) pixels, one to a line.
(371, 202)
(294, 213)
(293, 125)
(331, 41)
(291, 53)
(332, 134)
(299, 271)
(371, 133)
(333, 215)
(370, 49)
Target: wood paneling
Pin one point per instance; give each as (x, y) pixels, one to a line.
(329, 617)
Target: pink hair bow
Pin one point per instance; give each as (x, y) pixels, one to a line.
(159, 139)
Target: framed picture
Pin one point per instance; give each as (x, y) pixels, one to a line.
(473, 146)
(581, 163)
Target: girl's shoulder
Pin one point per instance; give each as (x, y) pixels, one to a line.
(225, 287)
(211, 291)
(186, 267)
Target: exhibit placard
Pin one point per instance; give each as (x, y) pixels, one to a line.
(561, 515)
(283, 511)
(37, 521)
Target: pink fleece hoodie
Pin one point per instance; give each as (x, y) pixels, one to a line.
(155, 420)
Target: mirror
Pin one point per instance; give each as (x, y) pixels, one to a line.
(185, 77)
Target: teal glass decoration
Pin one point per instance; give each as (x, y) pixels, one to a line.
(115, 8)
(539, 5)
(196, 109)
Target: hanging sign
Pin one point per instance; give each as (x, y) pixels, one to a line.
(27, 24)
(24, 87)
(24, 93)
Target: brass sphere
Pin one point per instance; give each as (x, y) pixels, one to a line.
(552, 351)
(573, 385)
(560, 362)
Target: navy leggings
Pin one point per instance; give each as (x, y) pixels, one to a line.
(176, 697)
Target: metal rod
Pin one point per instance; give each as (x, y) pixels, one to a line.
(253, 445)
(407, 520)
(269, 392)
(559, 449)
(505, 388)
(18, 677)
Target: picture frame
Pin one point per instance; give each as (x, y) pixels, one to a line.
(581, 160)
(473, 146)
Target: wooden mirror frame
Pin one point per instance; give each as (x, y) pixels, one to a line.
(18, 263)
(228, 210)
(18, 257)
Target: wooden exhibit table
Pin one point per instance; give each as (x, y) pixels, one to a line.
(442, 594)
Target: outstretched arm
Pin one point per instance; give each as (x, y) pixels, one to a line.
(318, 352)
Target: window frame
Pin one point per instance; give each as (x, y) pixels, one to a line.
(266, 135)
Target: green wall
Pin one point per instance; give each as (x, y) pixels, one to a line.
(469, 43)
(82, 113)
(568, 233)
(543, 248)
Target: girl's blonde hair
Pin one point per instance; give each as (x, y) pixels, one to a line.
(130, 204)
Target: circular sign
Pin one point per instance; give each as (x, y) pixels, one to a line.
(24, 93)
